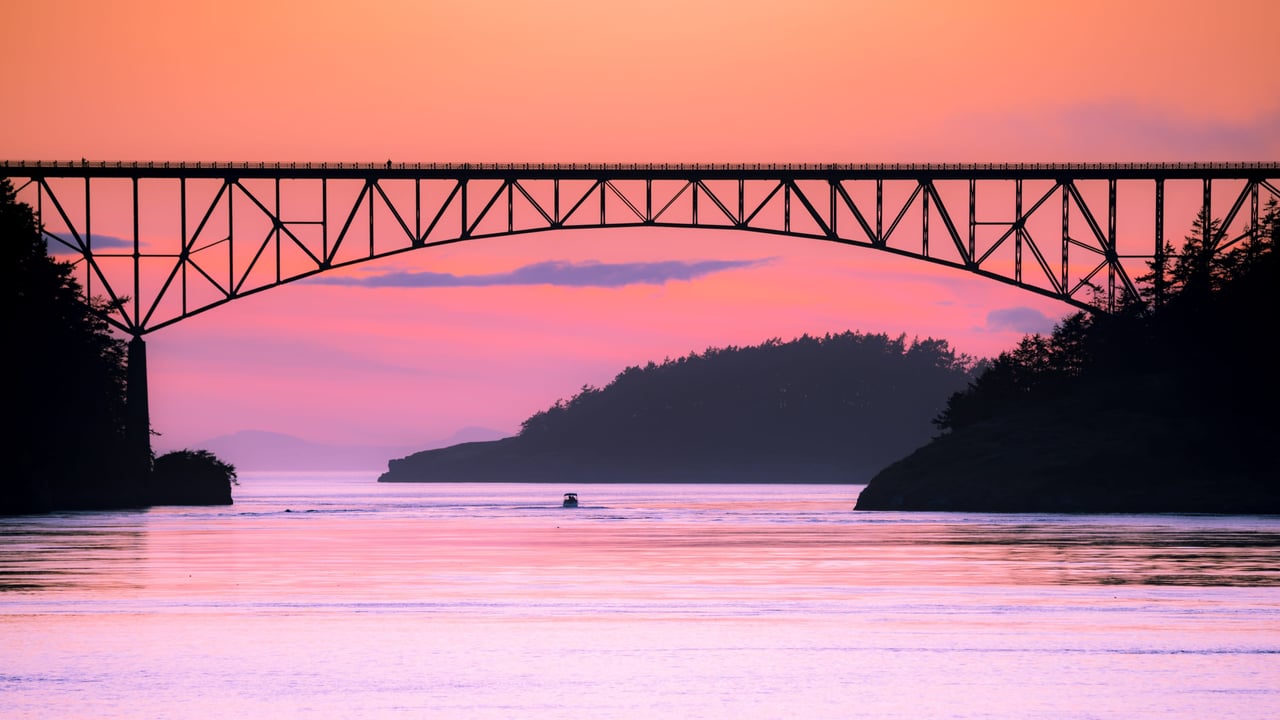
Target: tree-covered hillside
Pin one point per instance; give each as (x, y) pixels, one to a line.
(814, 409)
(1164, 406)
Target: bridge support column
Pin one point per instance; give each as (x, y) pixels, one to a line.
(137, 412)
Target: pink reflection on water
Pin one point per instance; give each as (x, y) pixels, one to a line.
(690, 602)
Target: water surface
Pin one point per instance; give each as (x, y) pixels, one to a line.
(336, 596)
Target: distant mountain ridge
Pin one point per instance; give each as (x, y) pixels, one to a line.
(260, 450)
(831, 409)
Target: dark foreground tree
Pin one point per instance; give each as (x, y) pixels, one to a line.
(66, 408)
(1160, 407)
(64, 437)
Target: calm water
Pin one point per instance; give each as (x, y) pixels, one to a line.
(335, 596)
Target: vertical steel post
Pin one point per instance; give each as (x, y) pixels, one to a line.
(973, 222)
(136, 301)
(1160, 245)
(279, 259)
(831, 205)
(88, 234)
(370, 184)
(880, 211)
(184, 255)
(1113, 255)
(1207, 209)
(693, 218)
(462, 192)
(926, 186)
(786, 206)
(1019, 232)
(742, 200)
(1066, 229)
(1253, 214)
(231, 236)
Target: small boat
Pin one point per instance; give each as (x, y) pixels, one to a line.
(571, 499)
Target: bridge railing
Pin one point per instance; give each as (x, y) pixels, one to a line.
(628, 167)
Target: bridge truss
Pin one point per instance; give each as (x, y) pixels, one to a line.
(164, 241)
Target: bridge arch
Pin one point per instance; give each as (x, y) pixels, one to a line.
(162, 242)
(1079, 233)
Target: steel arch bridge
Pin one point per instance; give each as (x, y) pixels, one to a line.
(162, 241)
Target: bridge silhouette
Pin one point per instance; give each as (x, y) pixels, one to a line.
(163, 241)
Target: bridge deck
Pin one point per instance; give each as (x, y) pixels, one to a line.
(656, 171)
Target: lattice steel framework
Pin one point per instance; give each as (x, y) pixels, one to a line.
(165, 241)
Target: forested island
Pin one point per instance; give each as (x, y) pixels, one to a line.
(831, 409)
(65, 436)
(1170, 405)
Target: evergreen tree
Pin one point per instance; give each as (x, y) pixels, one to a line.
(1186, 352)
(1166, 407)
(65, 431)
(1199, 267)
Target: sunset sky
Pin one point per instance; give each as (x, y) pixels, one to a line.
(561, 81)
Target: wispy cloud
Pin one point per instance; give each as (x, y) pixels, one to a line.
(62, 243)
(1018, 319)
(1114, 130)
(555, 272)
(1149, 131)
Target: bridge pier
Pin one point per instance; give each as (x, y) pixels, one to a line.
(137, 411)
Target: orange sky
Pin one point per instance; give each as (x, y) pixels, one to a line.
(558, 81)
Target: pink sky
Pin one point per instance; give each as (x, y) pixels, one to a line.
(739, 81)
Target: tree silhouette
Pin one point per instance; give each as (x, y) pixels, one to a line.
(67, 397)
(835, 407)
(1186, 336)
(191, 477)
(1168, 407)
(1199, 267)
